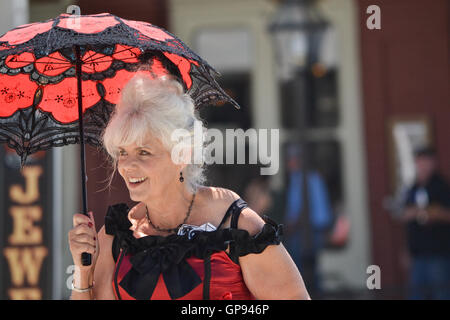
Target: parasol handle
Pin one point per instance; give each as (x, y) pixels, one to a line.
(86, 258)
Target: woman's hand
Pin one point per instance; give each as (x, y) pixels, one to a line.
(83, 238)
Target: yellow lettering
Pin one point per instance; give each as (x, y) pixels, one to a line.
(25, 294)
(24, 232)
(31, 192)
(25, 262)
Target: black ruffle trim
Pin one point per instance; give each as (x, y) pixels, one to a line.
(174, 248)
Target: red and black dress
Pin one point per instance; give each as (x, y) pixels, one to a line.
(191, 266)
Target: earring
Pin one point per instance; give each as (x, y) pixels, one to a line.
(181, 177)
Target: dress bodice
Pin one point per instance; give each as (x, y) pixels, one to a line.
(190, 265)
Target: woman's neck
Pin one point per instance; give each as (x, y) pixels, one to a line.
(169, 209)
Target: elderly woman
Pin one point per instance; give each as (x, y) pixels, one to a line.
(183, 240)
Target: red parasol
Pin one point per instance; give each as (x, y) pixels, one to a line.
(60, 79)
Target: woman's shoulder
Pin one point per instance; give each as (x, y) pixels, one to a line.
(254, 233)
(217, 193)
(213, 202)
(222, 199)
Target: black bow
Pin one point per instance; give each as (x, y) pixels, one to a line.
(180, 278)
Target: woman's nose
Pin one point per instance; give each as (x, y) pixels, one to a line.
(128, 163)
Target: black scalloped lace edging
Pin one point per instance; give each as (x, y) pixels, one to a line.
(177, 247)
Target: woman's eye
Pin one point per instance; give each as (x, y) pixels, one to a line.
(122, 153)
(144, 153)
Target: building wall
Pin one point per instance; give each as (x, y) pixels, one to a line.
(405, 72)
(153, 11)
(44, 10)
(13, 14)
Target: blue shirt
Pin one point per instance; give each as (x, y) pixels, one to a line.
(319, 205)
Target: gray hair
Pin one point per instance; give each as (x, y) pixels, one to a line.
(154, 107)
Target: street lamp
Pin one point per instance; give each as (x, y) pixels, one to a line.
(298, 31)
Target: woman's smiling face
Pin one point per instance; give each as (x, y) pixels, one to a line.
(147, 169)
